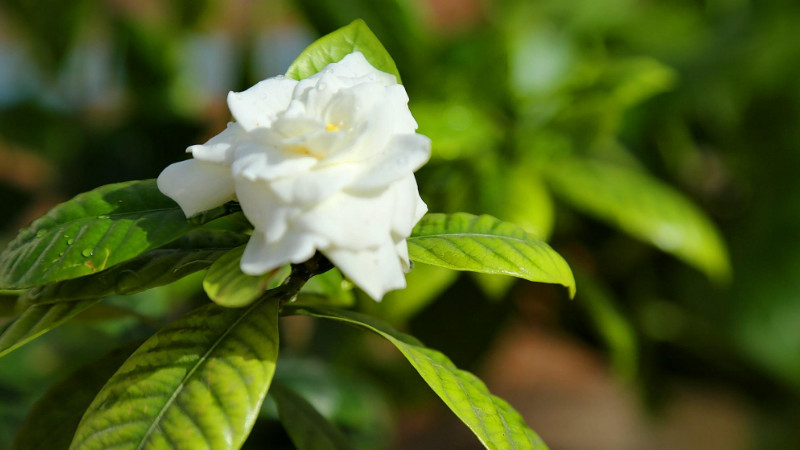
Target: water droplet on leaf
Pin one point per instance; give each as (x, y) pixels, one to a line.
(87, 252)
(41, 233)
(70, 241)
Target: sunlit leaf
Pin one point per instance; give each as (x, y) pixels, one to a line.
(484, 244)
(61, 407)
(494, 422)
(188, 254)
(94, 231)
(198, 383)
(643, 207)
(334, 46)
(227, 285)
(37, 320)
(304, 424)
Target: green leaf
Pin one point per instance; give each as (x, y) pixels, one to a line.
(484, 244)
(198, 383)
(227, 285)
(494, 422)
(329, 289)
(52, 421)
(304, 424)
(186, 255)
(94, 231)
(333, 47)
(644, 208)
(37, 320)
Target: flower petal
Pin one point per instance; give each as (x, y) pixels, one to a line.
(197, 186)
(263, 209)
(349, 221)
(258, 106)
(315, 185)
(220, 148)
(409, 208)
(403, 121)
(401, 248)
(261, 256)
(355, 65)
(405, 154)
(375, 271)
(256, 162)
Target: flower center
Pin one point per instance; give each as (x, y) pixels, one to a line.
(332, 127)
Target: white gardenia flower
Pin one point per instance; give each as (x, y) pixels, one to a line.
(326, 163)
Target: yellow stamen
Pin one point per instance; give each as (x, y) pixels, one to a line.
(332, 127)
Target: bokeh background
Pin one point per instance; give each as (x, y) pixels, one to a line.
(662, 348)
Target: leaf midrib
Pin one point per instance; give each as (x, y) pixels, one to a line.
(191, 372)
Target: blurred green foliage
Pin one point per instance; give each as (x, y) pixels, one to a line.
(619, 129)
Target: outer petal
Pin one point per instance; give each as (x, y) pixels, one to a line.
(405, 154)
(351, 222)
(409, 208)
(403, 121)
(375, 271)
(220, 148)
(263, 209)
(261, 256)
(258, 106)
(401, 247)
(197, 185)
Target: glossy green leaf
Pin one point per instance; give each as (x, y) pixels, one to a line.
(494, 422)
(198, 383)
(334, 46)
(227, 285)
(304, 424)
(93, 231)
(484, 244)
(60, 409)
(645, 208)
(37, 320)
(188, 254)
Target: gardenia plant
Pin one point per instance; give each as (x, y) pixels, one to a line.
(326, 163)
(321, 164)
